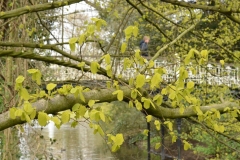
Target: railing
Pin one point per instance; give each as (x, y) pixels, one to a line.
(212, 75)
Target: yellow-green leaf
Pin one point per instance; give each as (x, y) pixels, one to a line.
(28, 107)
(38, 77)
(123, 47)
(12, 113)
(130, 104)
(135, 31)
(81, 64)
(134, 93)
(119, 139)
(204, 53)
(24, 94)
(158, 98)
(155, 81)
(164, 91)
(157, 124)
(102, 116)
(128, 31)
(140, 81)
(81, 96)
(18, 113)
(172, 95)
(90, 29)
(145, 132)
(138, 106)
(75, 107)
(149, 118)
(42, 118)
(33, 114)
(74, 124)
(56, 120)
(169, 124)
(181, 109)
(100, 131)
(72, 42)
(32, 71)
(107, 58)
(91, 103)
(146, 102)
(65, 118)
(157, 145)
(187, 60)
(94, 67)
(190, 85)
(81, 39)
(222, 62)
(186, 145)
(27, 118)
(221, 129)
(115, 147)
(51, 86)
(82, 110)
(119, 94)
(20, 79)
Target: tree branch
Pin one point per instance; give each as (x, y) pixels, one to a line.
(219, 9)
(168, 45)
(28, 55)
(61, 103)
(162, 112)
(36, 8)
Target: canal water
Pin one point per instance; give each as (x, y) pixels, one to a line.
(69, 143)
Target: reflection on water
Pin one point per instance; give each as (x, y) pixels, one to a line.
(77, 143)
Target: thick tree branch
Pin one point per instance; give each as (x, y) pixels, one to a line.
(61, 103)
(37, 8)
(162, 112)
